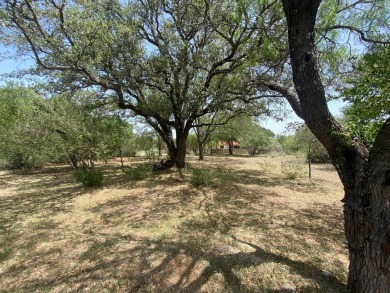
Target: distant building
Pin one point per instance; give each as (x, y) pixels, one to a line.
(225, 145)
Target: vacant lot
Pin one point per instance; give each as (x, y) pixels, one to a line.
(250, 230)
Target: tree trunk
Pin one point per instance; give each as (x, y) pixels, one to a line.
(365, 176)
(367, 221)
(73, 160)
(230, 143)
(201, 150)
(177, 152)
(309, 158)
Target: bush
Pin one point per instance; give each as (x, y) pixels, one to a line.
(138, 172)
(222, 175)
(207, 177)
(292, 169)
(319, 157)
(201, 177)
(89, 177)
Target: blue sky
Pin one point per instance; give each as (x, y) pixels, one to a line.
(278, 127)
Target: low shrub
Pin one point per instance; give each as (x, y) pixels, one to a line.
(292, 169)
(222, 175)
(201, 177)
(138, 172)
(210, 177)
(89, 177)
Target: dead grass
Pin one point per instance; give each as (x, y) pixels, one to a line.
(256, 232)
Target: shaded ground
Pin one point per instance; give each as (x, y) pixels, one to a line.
(255, 232)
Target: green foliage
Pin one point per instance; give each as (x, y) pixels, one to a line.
(192, 142)
(147, 141)
(25, 139)
(209, 177)
(201, 177)
(367, 94)
(89, 177)
(5, 251)
(247, 132)
(138, 172)
(304, 141)
(35, 130)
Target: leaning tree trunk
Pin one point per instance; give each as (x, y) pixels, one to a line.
(365, 176)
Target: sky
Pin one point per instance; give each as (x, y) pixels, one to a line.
(277, 127)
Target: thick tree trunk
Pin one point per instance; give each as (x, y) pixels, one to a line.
(367, 221)
(366, 177)
(177, 152)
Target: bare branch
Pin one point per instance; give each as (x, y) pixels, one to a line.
(362, 34)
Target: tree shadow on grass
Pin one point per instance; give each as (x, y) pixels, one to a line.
(44, 193)
(180, 267)
(184, 262)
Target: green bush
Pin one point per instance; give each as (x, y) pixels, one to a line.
(138, 172)
(89, 177)
(207, 177)
(319, 157)
(201, 177)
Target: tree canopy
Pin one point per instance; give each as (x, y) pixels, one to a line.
(35, 130)
(368, 93)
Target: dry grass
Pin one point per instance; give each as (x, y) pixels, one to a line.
(257, 232)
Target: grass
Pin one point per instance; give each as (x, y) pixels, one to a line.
(250, 230)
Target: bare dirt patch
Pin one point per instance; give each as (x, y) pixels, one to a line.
(256, 232)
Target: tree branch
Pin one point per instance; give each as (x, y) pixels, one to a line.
(359, 32)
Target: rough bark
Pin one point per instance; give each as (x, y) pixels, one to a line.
(365, 176)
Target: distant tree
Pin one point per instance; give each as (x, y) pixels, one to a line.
(147, 141)
(256, 139)
(87, 130)
(233, 129)
(35, 130)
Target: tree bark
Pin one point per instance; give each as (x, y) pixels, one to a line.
(177, 151)
(365, 176)
(201, 150)
(230, 143)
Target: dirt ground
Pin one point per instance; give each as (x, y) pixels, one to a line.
(255, 231)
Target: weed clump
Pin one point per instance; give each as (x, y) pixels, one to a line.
(89, 177)
(201, 177)
(292, 169)
(138, 172)
(207, 177)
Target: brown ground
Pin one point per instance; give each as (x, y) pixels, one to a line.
(255, 232)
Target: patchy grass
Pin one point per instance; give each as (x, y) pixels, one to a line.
(251, 230)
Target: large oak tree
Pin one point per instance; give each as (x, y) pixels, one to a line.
(170, 62)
